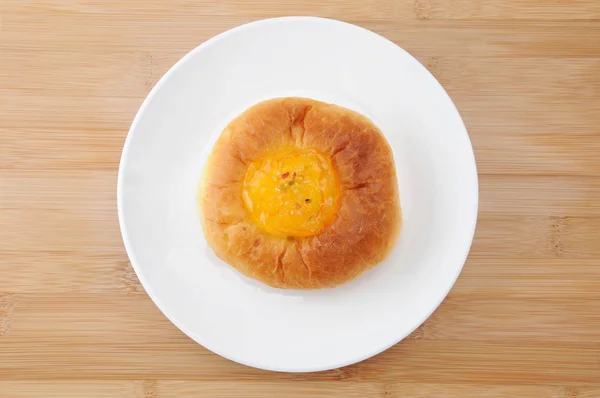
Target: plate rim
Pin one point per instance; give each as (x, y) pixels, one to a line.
(125, 235)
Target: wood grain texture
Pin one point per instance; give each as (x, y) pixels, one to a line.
(523, 319)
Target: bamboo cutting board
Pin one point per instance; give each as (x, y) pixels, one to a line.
(523, 320)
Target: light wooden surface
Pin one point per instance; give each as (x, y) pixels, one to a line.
(523, 320)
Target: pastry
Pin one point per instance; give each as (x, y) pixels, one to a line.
(300, 194)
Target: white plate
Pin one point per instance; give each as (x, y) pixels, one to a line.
(296, 331)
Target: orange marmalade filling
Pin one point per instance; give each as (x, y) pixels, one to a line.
(292, 192)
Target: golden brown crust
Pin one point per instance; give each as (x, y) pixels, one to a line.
(365, 227)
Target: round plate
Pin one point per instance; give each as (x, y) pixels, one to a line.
(243, 320)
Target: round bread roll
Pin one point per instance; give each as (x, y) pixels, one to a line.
(300, 194)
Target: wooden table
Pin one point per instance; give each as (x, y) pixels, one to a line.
(523, 320)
